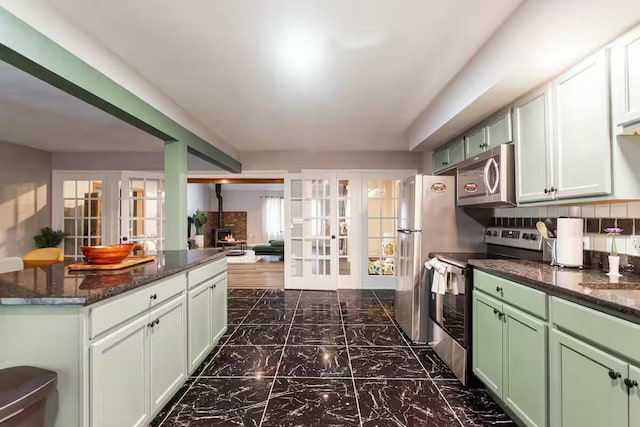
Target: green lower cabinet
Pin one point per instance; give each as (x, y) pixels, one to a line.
(487, 341)
(525, 366)
(510, 357)
(587, 385)
(634, 396)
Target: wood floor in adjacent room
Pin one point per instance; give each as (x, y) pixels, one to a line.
(268, 273)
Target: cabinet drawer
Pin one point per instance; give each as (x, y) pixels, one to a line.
(206, 272)
(528, 299)
(607, 331)
(113, 312)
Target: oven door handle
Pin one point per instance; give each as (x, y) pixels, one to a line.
(491, 163)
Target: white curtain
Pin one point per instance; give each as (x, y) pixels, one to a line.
(272, 218)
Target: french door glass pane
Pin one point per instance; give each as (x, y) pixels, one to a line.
(382, 213)
(82, 215)
(142, 211)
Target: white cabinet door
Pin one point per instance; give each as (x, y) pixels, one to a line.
(499, 130)
(199, 324)
(582, 140)
(625, 65)
(532, 134)
(219, 308)
(476, 142)
(167, 350)
(119, 377)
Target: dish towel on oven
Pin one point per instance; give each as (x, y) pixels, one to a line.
(440, 273)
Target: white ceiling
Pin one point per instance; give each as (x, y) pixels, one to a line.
(38, 115)
(292, 74)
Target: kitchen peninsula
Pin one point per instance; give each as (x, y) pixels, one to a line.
(125, 339)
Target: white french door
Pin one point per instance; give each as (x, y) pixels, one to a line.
(142, 209)
(311, 229)
(105, 207)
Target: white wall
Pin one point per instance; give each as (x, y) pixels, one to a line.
(25, 194)
(44, 18)
(198, 198)
(294, 161)
(249, 201)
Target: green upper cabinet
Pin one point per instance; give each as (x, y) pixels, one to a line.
(625, 67)
(448, 156)
(494, 131)
(587, 385)
(456, 151)
(487, 341)
(525, 366)
(532, 133)
(563, 136)
(499, 130)
(582, 131)
(476, 142)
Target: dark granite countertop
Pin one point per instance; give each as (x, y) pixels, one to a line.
(56, 285)
(617, 296)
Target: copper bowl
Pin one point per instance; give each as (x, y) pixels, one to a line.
(110, 254)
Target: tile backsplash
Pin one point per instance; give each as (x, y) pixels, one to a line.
(625, 215)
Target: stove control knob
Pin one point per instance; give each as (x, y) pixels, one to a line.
(534, 237)
(526, 236)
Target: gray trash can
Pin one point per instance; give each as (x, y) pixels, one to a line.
(23, 395)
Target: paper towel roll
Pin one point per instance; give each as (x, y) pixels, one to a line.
(569, 246)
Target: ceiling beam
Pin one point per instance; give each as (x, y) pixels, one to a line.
(30, 51)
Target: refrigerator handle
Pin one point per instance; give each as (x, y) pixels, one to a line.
(408, 231)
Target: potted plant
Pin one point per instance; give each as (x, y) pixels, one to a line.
(49, 238)
(614, 259)
(199, 219)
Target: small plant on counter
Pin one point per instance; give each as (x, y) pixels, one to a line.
(199, 219)
(49, 238)
(613, 232)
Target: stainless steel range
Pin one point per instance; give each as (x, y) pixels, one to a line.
(449, 323)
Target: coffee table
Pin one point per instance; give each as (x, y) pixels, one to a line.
(236, 247)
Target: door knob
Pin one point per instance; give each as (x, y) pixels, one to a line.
(333, 236)
(614, 375)
(630, 383)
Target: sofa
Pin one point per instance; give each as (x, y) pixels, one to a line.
(274, 248)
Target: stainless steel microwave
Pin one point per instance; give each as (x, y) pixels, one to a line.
(488, 179)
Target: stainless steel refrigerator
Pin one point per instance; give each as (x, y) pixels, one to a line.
(429, 221)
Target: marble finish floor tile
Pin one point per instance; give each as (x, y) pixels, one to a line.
(317, 317)
(269, 317)
(366, 317)
(474, 407)
(360, 304)
(363, 335)
(259, 335)
(277, 303)
(280, 293)
(400, 403)
(244, 361)
(245, 293)
(164, 412)
(385, 362)
(223, 402)
(437, 369)
(316, 335)
(312, 402)
(285, 342)
(315, 362)
(235, 317)
(241, 303)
